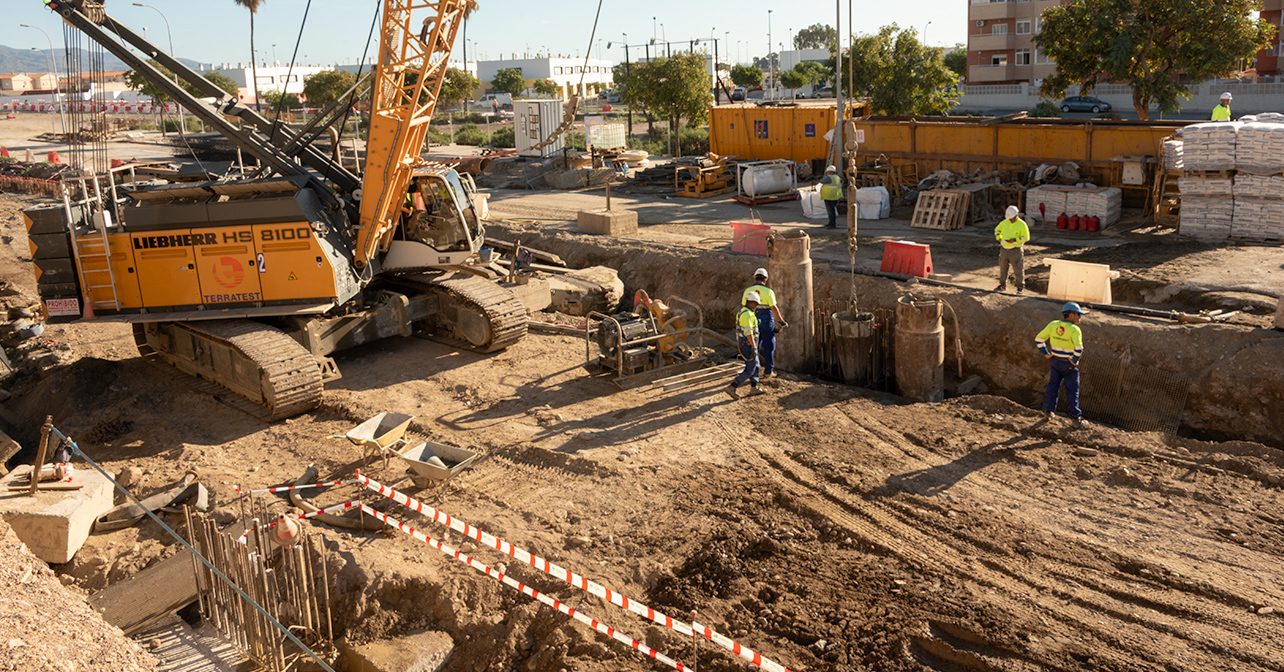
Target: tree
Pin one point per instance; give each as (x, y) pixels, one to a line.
(224, 82)
(1151, 45)
(510, 81)
(765, 62)
(547, 88)
(814, 72)
(283, 101)
(956, 60)
(816, 36)
(746, 75)
(326, 86)
(899, 75)
(457, 87)
(675, 88)
(253, 6)
(792, 79)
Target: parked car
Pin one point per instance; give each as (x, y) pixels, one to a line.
(823, 93)
(738, 93)
(1084, 104)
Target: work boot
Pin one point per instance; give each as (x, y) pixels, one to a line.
(754, 390)
(768, 376)
(1020, 290)
(1077, 422)
(1001, 288)
(731, 390)
(1047, 414)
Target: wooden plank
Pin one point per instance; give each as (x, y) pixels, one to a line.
(157, 591)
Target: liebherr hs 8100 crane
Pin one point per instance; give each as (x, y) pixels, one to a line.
(254, 283)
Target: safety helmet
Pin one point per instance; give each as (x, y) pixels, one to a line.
(1227, 96)
(1072, 307)
(760, 273)
(831, 169)
(753, 296)
(1013, 211)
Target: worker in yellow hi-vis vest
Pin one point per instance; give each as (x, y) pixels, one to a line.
(831, 191)
(747, 339)
(1062, 343)
(1222, 111)
(1012, 233)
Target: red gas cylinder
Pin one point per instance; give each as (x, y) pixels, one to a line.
(1094, 223)
(1074, 222)
(1062, 221)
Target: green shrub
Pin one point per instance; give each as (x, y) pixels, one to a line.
(1046, 108)
(693, 141)
(469, 134)
(438, 137)
(503, 137)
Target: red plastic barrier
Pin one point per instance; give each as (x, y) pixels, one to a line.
(748, 238)
(52, 157)
(907, 258)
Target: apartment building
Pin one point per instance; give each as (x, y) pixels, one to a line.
(1000, 41)
(1001, 50)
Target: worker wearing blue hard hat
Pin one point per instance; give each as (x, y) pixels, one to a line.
(1061, 342)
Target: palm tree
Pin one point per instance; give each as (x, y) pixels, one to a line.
(253, 6)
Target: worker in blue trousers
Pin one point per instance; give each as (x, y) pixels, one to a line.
(747, 340)
(1062, 343)
(769, 321)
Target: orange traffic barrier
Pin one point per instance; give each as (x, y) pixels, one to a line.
(906, 258)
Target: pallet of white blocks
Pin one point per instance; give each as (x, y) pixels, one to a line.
(1210, 146)
(1259, 148)
(1207, 205)
(1259, 207)
(1104, 204)
(1052, 200)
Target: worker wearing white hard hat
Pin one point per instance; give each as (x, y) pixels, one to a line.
(831, 191)
(770, 321)
(1012, 234)
(1222, 111)
(747, 341)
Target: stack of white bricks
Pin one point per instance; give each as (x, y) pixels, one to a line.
(1053, 201)
(1173, 151)
(1259, 148)
(1259, 207)
(1104, 204)
(1210, 146)
(1207, 206)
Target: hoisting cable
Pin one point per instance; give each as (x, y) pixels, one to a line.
(285, 90)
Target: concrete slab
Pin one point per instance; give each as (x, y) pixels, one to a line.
(609, 222)
(535, 293)
(597, 288)
(54, 524)
(424, 651)
(1279, 315)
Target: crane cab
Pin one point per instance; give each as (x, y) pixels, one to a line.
(439, 226)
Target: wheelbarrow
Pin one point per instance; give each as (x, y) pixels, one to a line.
(380, 433)
(431, 463)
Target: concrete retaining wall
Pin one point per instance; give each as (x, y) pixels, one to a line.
(1237, 385)
(1249, 98)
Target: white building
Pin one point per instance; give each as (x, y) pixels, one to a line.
(271, 77)
(789, 59)
(565, 72)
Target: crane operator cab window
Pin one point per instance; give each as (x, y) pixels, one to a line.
(439, 213)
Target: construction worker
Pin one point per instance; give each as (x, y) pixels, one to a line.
(1062, 343)
(831, 191)
(747, 339)
(1012, 234)
(769, 321)
(1222, 111)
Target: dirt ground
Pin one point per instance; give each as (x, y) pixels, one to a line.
(828, 527)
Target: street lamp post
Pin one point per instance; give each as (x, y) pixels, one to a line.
(925, 32)
(771, 62)
(627, 71)
(61, 118)
(182, 123)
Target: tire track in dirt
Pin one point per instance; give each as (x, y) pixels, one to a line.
(887, 530)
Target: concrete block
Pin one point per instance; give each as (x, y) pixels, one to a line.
(609, 222)
(1279, 314)
(54, 524)
(534, 293)
(597, 288)
(423, 651)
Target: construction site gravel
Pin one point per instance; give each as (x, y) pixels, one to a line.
(827, 527)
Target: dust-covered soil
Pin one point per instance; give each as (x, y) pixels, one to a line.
(827, 527)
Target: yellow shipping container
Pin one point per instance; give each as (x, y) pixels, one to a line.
(795, 132)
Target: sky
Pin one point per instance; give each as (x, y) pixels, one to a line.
(217, 31)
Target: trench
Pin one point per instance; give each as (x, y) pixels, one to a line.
(1226, 374)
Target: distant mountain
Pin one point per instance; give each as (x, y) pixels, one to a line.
(33, 61)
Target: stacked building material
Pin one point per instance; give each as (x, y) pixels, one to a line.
(1045, 203)
(1104, 204)
(1207, 206)
(1173, 151)
(1259, 207)
(1210, 146)
(1259, 148)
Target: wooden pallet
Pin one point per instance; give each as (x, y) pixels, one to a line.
(1207, 174)
(941, 209)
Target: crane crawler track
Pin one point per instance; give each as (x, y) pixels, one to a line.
(477, 313)
(272, 371)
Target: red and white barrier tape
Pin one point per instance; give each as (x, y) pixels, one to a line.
(510, 582)
(285, 488)
(329, 509)
(572, 578)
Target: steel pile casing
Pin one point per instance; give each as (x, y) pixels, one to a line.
(920, 349)
(789, 265)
